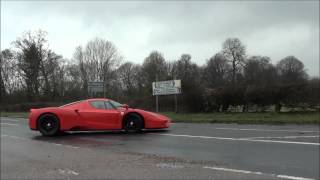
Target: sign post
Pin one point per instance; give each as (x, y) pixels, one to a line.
(95, 88)
(157, 97)
(171, 87)
(175, 103)
(157, 103)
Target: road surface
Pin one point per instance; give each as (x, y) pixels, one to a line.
(184, 151)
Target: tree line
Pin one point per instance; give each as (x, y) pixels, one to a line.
(229, 81)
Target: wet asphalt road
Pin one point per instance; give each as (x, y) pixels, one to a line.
(184, 151)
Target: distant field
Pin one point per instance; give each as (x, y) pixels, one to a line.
(240, 118)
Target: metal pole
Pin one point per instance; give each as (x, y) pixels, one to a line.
(157, 106)
(175, 103)
(104, 90)
(175, 100)
(157, 98)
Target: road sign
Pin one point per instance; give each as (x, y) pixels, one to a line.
(166, 87)
(95, 87)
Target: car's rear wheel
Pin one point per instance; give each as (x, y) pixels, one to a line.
(133, 123)
(48, 125)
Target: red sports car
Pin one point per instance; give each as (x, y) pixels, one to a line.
(94, 114)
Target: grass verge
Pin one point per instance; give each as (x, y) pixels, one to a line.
(240, 118)
(247, 118)
(14, 114)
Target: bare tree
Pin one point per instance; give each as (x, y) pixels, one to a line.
(8, 72)
(129, 74)
(293, 80)
(83, 68)
(182, 67)
(260, 82)
(2, 88)
(291, 70)
(98, 61)
(259, 71)
(34, 70)
(190, 75)
(103, 57)
(154, 67)
(216, 71)
(50, 65)
(30, 55)
(235, 52)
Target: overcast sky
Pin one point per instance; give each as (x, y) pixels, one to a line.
(268, 28)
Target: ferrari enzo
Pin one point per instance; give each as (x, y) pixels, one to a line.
(94, 114)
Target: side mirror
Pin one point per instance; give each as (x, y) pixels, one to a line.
(125, 106)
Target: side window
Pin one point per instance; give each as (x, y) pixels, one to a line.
(98, 104)
(115, 104)
(108, 105)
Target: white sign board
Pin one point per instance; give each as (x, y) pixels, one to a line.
(166, 87)
(95, 87)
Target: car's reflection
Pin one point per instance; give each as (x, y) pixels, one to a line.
(97, 138)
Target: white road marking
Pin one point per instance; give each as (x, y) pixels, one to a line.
(267, 130)
(56, 144)
(90, 132)
(293, 177)
(238, 139)
(232, 170)
(283, 137)
(257, 173)
(68, 171)
(74, 147)
(73, 172)
(10, 124)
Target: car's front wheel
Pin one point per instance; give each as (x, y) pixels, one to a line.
(133, 123)
(48, 125)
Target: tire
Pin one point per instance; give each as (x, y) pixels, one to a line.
(48, 125)
(133, 123)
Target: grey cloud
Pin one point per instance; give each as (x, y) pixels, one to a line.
(198, 28)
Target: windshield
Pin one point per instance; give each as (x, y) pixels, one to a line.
(115, 104)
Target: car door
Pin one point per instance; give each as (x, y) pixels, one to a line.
(99, 116)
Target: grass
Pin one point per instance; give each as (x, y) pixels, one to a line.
(240, 118)
(15, 114)
(247, 118)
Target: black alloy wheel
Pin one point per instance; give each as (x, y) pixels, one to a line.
(48, 125)
(133, 123)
